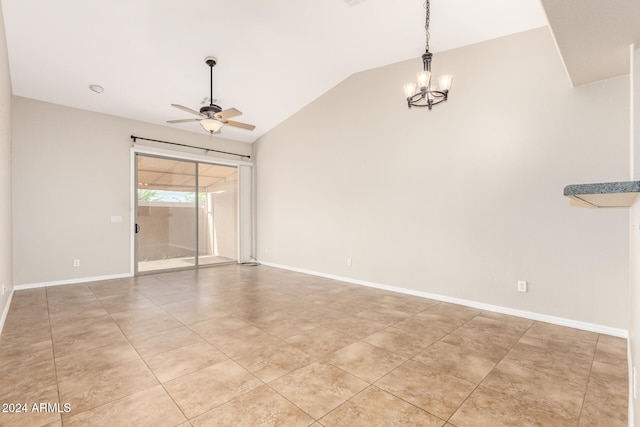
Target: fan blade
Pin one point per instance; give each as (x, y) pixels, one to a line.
(188, 110)
(183, 121)
(240, 125)
(229, 112)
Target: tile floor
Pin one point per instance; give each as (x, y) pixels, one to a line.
(257, 346)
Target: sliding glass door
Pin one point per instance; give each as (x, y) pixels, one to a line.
(217, 214)
(186, 214)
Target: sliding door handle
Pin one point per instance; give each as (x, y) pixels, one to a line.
(137, 228)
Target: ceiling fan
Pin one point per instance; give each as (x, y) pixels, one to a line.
(212, 117)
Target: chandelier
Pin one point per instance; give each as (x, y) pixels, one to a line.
(422, 93)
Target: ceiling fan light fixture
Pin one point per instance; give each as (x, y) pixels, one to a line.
(211, 125)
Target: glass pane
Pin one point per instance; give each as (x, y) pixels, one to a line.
(166, 214)
(218, 209)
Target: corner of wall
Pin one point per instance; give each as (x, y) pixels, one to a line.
(6, 206)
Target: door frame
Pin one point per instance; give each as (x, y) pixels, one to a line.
(245, 212)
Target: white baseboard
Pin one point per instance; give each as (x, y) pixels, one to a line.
(5, 312)
(71, 281)
(622, 333)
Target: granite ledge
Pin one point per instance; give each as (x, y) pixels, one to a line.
(605, 194)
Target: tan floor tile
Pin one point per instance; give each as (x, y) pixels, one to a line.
(408, 304)
(500, 324)
(88, 337)
(400, 342)
(609, 379)
(320, 341)
(184, 360)
(145, 321)
(73, 312)
(210, 387)
(423, 326)
(260, 407)
(287, 326)
(604, 409)
(127, 302)
(66, 291)
(104, 386)
(351, 305)
(365, 361)
(376, 408)
(454, 311)
(31, 318)
(243, 341)
(163, 341)
(611, 352)
(438, 320)
(384, 315)
(109, 288)
(273, 361)
(318, 388)
(214, 329)
(356, 327)
(544, 359)
(25, 334)
(562, 340)
(435, 392)
(490, 408)
(161, 298)
(78, 364)
(32, 418)
(486, 344)
(13, 356)
(457, 361)
(17, 381)
(71, 304)
(192, 311)
(538, 388)
(548, 332)
(151, 407)
(91, 324)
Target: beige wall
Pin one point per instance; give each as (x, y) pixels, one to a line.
(71, 173)
(6, 273)
(464, 200)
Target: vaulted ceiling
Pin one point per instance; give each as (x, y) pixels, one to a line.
(273, 57)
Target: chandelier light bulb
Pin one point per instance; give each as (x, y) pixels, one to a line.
(423, 78)
(445, 82)
(409, 89)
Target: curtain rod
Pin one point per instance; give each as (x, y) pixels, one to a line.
(189, 146)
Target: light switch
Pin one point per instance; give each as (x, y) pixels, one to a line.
(116, 218)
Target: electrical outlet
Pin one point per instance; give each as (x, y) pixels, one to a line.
(349, 261)
(3, 289)
(522, 286)
(76, 263)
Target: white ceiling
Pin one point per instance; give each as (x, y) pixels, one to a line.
(593, 36)
(274, 57)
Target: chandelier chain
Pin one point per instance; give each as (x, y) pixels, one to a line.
(426, 24)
